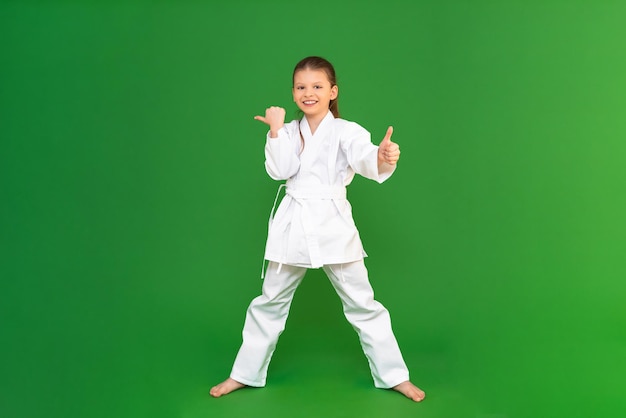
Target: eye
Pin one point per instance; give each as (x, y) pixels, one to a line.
(300, 88)
(318, 87)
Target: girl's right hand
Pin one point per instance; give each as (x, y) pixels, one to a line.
(275, 118)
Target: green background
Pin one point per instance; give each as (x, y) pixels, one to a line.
(134, 205)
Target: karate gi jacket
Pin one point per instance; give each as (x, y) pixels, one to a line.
(313, 225)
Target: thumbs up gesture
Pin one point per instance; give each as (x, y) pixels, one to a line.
(388, 152)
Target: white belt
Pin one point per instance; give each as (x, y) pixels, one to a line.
(317, 192)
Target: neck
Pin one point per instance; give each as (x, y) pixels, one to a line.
(314, 122)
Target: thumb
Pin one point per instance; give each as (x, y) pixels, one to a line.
(260, 118)
(387, 139)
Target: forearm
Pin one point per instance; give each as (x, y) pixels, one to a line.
(281, 158)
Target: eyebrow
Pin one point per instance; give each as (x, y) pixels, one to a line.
(313, 82)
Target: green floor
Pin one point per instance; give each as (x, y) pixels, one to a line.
(145, 353)
(134, 206)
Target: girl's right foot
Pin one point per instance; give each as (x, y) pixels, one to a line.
(411, 391)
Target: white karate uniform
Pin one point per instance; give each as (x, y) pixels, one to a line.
(313, 227)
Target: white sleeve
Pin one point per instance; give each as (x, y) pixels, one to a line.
(362, 154)
(281, 155)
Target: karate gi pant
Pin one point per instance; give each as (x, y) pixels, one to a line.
(267, 314)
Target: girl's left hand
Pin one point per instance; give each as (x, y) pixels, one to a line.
(388, 152)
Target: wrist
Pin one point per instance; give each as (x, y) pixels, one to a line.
(274, 131)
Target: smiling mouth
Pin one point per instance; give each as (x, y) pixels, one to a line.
(309, 102)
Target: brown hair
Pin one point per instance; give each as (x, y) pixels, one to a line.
(319, 63)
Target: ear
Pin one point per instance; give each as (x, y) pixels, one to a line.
(334, 92)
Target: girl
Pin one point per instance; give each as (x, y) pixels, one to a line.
(313, 227)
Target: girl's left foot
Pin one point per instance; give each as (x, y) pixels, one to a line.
(411, 391)
(224, 388)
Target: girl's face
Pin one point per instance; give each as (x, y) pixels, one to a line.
(312, 92)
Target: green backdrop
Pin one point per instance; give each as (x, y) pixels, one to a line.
(134, 205)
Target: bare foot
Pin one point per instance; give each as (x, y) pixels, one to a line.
(411, 391)
(226, 387)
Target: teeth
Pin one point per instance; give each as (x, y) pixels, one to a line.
(310, 102)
